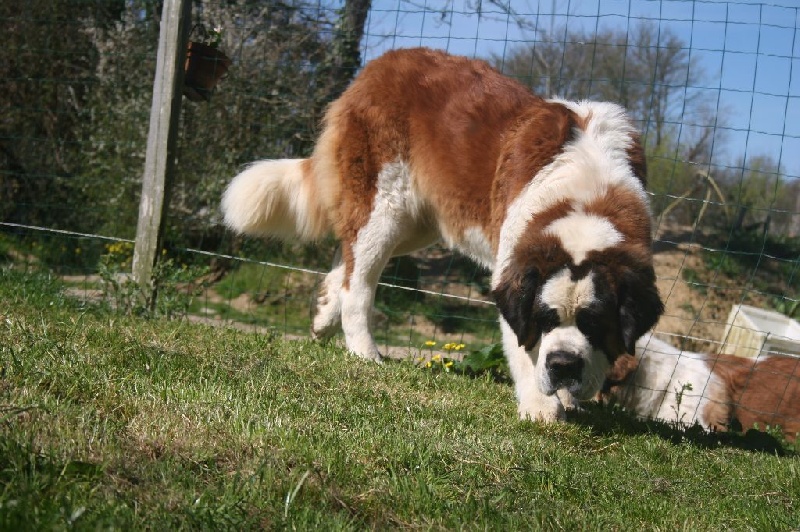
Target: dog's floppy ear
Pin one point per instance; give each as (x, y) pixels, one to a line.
(515, 297)
(640, 305)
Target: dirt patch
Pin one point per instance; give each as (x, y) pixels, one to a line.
(688, 312)
(697, 299)
(243, 303)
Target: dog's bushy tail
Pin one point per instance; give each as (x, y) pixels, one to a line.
(277, 198)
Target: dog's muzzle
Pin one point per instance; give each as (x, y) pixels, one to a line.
(564, 369)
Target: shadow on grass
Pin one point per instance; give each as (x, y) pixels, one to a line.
(489, 362)
(609, 420)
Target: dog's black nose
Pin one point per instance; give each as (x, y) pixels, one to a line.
(564, 368)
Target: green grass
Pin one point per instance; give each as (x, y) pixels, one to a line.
(111, 421)
(281, 298)
(284, 300)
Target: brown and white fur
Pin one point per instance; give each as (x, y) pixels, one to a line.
(763, 392)
(714, 390)
(547, 194)
(663, 382)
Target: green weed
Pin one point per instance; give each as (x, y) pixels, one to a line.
(173, 286)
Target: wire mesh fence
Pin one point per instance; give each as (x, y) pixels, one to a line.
(713, 86)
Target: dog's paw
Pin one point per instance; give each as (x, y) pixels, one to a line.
(371, 356)
(548, 412)
(568, 400)
(324, 332)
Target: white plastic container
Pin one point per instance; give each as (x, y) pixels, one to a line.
(754, 332)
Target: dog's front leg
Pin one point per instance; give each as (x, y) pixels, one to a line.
(532, 403)
(357, 302)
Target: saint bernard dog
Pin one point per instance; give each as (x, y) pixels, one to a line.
(712, 390)
(547, 194)
(665, 383)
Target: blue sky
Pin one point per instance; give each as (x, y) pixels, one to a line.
(749, 51)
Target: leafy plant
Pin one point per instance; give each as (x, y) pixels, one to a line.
(488, 360)
(679, 393)
(174, 286)
(723, 263)
(692, 277)
(786, 306)
(210, 37)
(438, 361)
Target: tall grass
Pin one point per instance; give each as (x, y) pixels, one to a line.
(112, 421)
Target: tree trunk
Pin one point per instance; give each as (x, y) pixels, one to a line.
(345, 51)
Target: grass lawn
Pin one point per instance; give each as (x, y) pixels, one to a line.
(110, 421)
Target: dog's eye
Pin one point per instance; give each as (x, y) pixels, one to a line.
(591, 323)
(547, 319)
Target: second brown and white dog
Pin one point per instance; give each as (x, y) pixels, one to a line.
(547, 194)
(663, 382)
(713, 390)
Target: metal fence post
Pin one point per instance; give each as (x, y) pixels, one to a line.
(161, 140)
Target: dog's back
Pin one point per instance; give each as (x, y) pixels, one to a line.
(666, 383)
(764, 392)
(663, 382)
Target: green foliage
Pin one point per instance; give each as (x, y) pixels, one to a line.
(721, 262)
(77, 104)
(251, 279)
(47, 77)
(488, 360)
(750, 245)
(174, 285)
(761, 196)
(32, 287)
(768, 261)
(789, 307)
(693, 278)
(264, 295)
(670, 176)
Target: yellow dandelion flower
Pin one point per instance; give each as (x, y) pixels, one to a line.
(430, 343)
(448, 363)
(437, 357)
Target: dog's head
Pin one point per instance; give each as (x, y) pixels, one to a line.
(577, 320)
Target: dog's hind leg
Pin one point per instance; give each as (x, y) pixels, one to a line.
(388, 225)
(328, 309)
(370, 253)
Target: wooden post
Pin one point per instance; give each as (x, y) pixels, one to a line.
(161, 140)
